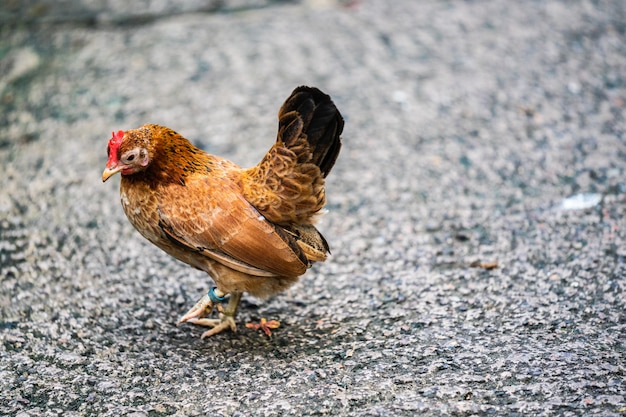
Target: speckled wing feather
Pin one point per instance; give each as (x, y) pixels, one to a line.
(227, 229)
(287, 186)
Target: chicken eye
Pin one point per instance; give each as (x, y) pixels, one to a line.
(130, 156)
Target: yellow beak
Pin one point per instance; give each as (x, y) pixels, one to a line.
(110, 171)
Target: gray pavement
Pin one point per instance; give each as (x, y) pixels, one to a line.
(478, 134)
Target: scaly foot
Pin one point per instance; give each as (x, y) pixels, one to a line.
(223, 323)
(204, 307)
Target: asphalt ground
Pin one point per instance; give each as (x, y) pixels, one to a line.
(475, 215)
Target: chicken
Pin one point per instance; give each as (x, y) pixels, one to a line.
(252, 230)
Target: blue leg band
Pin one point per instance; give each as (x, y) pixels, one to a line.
(214, 298)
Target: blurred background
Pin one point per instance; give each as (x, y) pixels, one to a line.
(475, 215)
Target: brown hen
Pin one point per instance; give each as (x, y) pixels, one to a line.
(250, 229)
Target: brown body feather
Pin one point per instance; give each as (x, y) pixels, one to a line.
(250, 229)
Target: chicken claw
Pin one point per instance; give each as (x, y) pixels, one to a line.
(264, 325)
(204, 307)
(219, 325)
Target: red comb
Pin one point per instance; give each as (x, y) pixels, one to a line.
(116, 140)
(114, 145)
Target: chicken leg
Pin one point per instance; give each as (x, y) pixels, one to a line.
(214, 298)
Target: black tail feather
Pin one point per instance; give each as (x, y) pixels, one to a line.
(322, 123)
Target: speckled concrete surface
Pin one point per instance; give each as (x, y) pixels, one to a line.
(468, 124)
